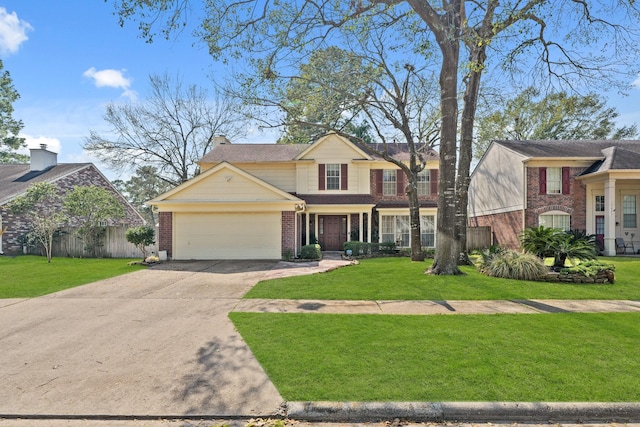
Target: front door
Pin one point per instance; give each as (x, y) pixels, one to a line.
(600, 231)
(332, 232)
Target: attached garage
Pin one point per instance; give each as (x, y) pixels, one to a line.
(226, 213)
(238, 235)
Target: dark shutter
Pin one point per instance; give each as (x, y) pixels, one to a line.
(566, 180)
(378, 179)
(543, 180)
(344, 177)
(400, 182)
(433, 180)
(321, 177)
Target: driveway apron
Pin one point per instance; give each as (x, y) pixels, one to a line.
(154, 342)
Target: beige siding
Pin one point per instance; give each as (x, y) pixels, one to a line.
(227, 235)
(225, 185)
(497, 183)
(281, 175)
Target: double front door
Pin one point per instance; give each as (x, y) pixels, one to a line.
(332, 232)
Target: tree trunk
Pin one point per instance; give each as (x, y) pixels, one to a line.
(446, 256)
(414, 217)
(470, 102)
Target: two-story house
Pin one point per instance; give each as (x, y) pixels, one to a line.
(264, 201)
(585, 185)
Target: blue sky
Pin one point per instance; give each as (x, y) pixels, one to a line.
(69, 59)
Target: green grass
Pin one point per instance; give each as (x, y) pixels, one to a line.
(542, 357)
(31, 276)
(399, 278)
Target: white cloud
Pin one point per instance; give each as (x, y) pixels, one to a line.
(53, 144)
(111, 78)
(13, 32)
(636, 82)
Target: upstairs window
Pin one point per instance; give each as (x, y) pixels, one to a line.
(332, 176)
(389, 182)
(599, 203)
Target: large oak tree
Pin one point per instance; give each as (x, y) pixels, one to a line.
(564, 42)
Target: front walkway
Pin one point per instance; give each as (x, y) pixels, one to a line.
(436, 307)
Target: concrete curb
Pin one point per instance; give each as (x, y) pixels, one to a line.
(506, 412)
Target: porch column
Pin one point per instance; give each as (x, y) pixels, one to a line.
(361, 226)
(306, 229)
(379, 226)
(369, 226)
(348, 227)
(610, 217)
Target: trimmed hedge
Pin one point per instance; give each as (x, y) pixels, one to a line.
(364, 248)
(311, 252)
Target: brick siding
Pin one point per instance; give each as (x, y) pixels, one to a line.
(165, 232)
(505, 227)
(288, 235)
(574, 203)
(378, 195)
(18, 226)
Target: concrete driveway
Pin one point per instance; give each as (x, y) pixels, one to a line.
(155, 342)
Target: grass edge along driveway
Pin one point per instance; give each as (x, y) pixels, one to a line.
(401, 279)
(29, 276)
(501, 357)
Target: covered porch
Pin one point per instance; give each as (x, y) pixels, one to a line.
(612, 210)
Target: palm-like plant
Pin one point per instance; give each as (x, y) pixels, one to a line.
(567, 245)
(545, 242)
(536, 240)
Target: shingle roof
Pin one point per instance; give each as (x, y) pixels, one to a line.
(336, 199)
(239, 153)
(249, 153)
(568, 148)
(14, 179)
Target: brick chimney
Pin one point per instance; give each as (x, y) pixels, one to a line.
(41, 158)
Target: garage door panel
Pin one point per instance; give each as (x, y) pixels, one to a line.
(227, 235)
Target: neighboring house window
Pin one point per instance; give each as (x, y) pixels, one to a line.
(332, 176)
(555, 180)
(559, 220)
(424, 182)
(629, 211)
(389, 182)
(397, 228)
(599, 203)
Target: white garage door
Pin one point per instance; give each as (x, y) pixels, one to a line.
(227, 235)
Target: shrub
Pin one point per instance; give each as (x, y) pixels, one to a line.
(141, 236)
(514, 265)
(311, 252)
(546, 242)
(589, 268)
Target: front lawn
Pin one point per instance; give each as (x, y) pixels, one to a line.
(401, 279)
(31, 276)
(539, 357)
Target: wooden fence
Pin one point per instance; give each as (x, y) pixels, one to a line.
(114, 245)
(479, 237)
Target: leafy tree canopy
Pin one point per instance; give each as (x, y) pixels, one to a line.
(557, 115)
(143, 186)
(9, 126)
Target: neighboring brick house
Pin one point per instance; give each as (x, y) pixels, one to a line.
(585, 185)
(43, 167)
(264, 201)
